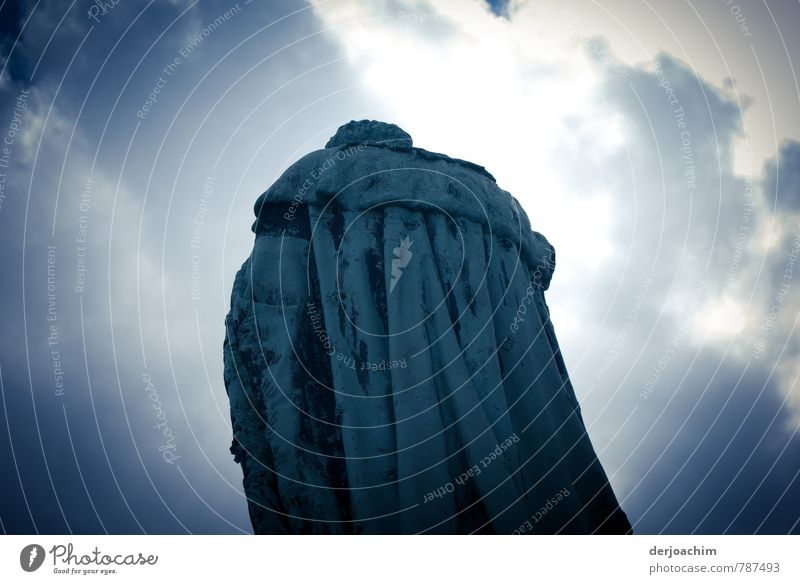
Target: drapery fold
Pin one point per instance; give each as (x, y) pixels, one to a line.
(389, 357)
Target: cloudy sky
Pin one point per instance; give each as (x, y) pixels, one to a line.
(655, 144)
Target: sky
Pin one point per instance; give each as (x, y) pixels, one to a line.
(655, 144)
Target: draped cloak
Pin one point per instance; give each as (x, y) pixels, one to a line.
(390, 361)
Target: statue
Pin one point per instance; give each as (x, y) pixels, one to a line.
(389, 358)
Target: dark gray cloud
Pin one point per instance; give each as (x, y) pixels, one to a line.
(711, 434)
(782, 177)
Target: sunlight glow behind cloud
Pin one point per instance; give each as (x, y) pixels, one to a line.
(482, 88)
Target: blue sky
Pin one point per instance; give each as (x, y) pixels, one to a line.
(656, 147)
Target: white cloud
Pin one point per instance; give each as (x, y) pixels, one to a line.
(482, 88)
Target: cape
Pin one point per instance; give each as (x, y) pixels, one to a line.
(389, 358)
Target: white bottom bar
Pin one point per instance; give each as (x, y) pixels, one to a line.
(401, 559)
